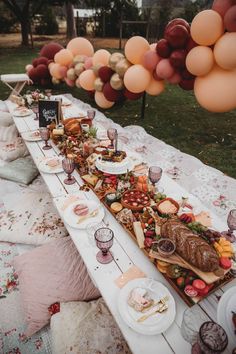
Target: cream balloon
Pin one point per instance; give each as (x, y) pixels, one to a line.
(137, 78)
(122, 66)
(135, 48)
(86, 80)
(225, 51)
(155, 87)
(28, 67)
(102, 101)
(71, 75)
(114, 59)
(101, 56)
(79, 68)
(55, 81)
(200, 60)
(98, 84)
(80, 46)
(116, 82)
(207, 27)
(216, 91)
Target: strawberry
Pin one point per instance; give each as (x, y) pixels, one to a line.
(180, 282)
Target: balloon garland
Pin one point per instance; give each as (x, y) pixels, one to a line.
(200, 57)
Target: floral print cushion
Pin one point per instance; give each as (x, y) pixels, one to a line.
(29, 217)
(10, 151)
(87, 328)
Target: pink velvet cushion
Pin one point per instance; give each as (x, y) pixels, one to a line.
(51, 273)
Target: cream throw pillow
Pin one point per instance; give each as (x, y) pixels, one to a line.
(5, 119)
(8, 133)
(10, 151)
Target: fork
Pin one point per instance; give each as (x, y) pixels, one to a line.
(92, 214)
(161, 302)
(160, 309)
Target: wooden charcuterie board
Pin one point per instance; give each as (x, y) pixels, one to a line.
(208, 277)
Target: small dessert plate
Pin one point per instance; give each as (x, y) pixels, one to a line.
(31, 136)
(51, 165)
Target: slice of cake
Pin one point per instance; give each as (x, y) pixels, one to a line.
(139, 299)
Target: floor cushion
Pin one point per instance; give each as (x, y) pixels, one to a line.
(5, 119)
(8, 133)
(51, 273)
(3, 106)
(29, 217)
(10, 151)
(87, 328)
(22, 170)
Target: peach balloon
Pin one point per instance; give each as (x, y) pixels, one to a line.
(135, 48)
(155, 87)
(207, 27)
(164, 69)
(216, 91)
(101, 100)
(200, 60)
(225, 51)
(64, 57)
(86, 80)
(28, 67)
(88, 63)
(55, 71)
(80, 46)
(101, 56)
(137, 78)
(150, 60)
(175, 79)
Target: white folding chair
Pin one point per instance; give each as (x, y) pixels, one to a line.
(20, 80)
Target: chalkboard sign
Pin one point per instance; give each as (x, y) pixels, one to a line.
(49, 111)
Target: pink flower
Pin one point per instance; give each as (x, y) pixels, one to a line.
(216, 202)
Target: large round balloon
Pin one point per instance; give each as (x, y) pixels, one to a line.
(80, 46)
(101, 100)
(137, 78)
(86, 80)
(177, 21)
(225, 51)
(155, 87)
(135, 48)
(216, 91)
(207, 27)
(101, 56)
(49, 50)
(105, 73)
(200, 60)
(64, 57)
(150, 60)
(114, 59)
(122, 66)
(222, 6)
(164, 69)
(230, 19)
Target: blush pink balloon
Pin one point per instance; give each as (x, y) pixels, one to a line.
(69, 82)
(63, 71)
(88, 63)
(28, 67)
(155, 76)
(175, 79)
(150, 60)
(164, 69)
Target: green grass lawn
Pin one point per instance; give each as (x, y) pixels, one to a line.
(174, 117)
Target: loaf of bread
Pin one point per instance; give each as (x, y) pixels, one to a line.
(191, 247)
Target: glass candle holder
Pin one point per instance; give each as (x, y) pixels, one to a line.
(104, 240)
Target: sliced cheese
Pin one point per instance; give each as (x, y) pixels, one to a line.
(204, 218)
(91, 179)
(139, 233)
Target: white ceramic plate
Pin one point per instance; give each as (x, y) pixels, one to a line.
(155, 324)
(72, 219)
(226, 305)
(44, 167)
(118, 168)
(22, 113)
(31, 136)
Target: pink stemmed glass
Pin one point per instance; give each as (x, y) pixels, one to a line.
(112, 135)
(68, 166)
(91, 113)
(45, 135)
(231, 221)
(104, 240)
(35, 109)
(154, 174)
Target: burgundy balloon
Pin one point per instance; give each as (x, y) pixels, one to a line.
(91, 93)
(105, 73)
(35, 62)
(42, 60)
(49, 50)
(42, 71)
(187, 85)
(186, 75)
(177, 58)
(177, 21)
(33, 75)
(177, 36)
(190, 44)
(222, 6)
(132, 96)
(163, 48)
(230, 19)
(45, 82)
(111, 94)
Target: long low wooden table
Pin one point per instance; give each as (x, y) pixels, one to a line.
(125, 251)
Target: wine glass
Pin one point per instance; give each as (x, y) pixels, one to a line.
(68, 166)
(91, 113)
(104, 240)
(154, 174)
(231, 221)
(48, 93)
(35, 109)
(112, 135)
(45, 135)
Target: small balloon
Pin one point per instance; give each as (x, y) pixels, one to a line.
(116, 82)
(71, 75)
(79, 68)
(122, 66)
(225, 51)
(150, 60)
(86, 80)
(164, 69)
(137, 78)
(96, 68)
(230, 19)
(98, 84)
(155, 87)
(88, 63)
(114, 59)
(101, 100)
(200, 60)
